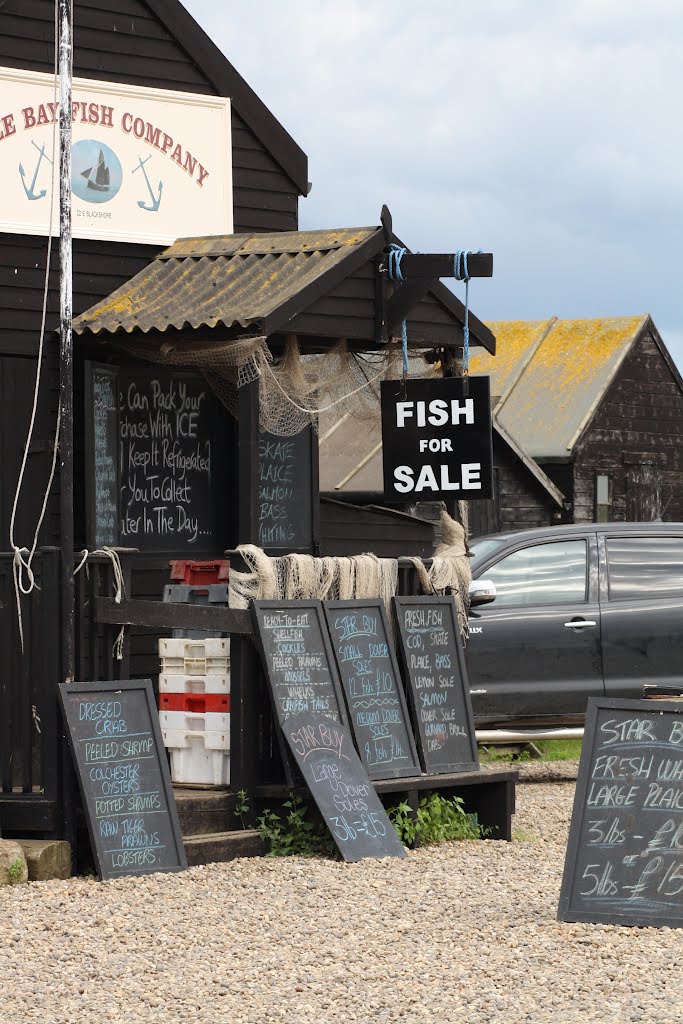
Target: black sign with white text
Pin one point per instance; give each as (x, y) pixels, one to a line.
(624, 861)
(436, 439)
(113, 731)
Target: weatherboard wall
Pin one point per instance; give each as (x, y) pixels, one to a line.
(636, 437)
(519, 501)
(119, 41)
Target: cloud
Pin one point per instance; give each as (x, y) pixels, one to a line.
(544, 132)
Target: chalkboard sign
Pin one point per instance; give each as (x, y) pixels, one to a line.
(372, 688)
(624, 862)
(434, 667)
(103, 479)
(152, 461)
(345, 797)
(285, 491)
(298, 660)
(116, 744)
(166, 459)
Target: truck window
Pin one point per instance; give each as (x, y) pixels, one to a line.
(541, 574)
(644, 567)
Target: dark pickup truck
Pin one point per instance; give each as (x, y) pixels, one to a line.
(579, 612)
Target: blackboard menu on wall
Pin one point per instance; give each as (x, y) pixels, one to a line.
(298, 659)
(166, 461)
(103, 480)
(624, 862)
(115, 740)
(372, 688)
(345, 797)
(285, 495)
(152, 461)
(434, 666)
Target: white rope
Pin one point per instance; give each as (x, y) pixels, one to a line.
(119, 588)
(20, 564)
(338, 401)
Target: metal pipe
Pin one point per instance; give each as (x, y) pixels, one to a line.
(66, 480)
(502, 736)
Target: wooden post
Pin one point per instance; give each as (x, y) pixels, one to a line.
(65, 20)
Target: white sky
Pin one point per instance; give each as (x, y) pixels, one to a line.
(546, 131)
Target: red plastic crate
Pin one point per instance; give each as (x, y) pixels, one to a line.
(202, 703)
(193, 573)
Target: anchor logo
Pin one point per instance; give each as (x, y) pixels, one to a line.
(30, 191)
(156, 200)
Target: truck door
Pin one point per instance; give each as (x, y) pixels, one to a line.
(642, 611)
(535, 653)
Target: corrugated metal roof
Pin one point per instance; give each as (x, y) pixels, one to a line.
(236, 281)
(552, 385)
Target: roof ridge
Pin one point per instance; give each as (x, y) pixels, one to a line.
(543, 333)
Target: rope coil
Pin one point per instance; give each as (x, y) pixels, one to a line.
(119, 587)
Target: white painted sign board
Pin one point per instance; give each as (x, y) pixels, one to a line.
(148, 165)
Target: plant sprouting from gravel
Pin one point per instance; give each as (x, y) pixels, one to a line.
(16, 869)
(438, 820)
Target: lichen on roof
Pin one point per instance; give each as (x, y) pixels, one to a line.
(552, 376)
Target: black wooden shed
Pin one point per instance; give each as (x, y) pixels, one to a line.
(142, 317)
(598, 405)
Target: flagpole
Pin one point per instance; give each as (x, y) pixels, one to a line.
(64, 28)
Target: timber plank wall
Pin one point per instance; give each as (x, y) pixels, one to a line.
(637, 438)
(120, 41)
(519, 503)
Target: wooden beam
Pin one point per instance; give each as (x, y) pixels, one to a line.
(431, 265)
(166, 615)
(405, 299)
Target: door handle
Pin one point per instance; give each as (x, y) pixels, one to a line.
(580, 624)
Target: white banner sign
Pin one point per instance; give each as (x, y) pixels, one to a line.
(148, 165)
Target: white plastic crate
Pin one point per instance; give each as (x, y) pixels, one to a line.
(179, 683)
(179, 727)
(179, 656)
(197, 763)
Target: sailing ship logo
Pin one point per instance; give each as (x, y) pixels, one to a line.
(96, 174)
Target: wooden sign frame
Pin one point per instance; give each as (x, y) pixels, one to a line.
(115, 687)
(612, 908)
(281, 605)
(92, 368)
(376, 605)
(428, 764)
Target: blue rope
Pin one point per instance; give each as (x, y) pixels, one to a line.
(461, 273)
(394, 257)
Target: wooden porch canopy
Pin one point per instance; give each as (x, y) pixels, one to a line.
(317, 285)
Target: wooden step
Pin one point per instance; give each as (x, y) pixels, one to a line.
(209, 847)
(205, 810)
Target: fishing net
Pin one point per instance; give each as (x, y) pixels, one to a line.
(294, 389)
(304, 577)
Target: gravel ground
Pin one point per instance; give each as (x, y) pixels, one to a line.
(465, 932)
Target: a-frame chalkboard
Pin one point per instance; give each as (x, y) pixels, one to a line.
(432, 657)
(298, 663)
(624, 862)
(122, 767)
(372, 688)
(339, 784)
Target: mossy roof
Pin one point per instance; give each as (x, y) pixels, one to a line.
(548, 377)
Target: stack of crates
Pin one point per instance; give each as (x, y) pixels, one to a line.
(194, 708)
(194, 686)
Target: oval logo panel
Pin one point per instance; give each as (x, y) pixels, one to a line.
(96, 172)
